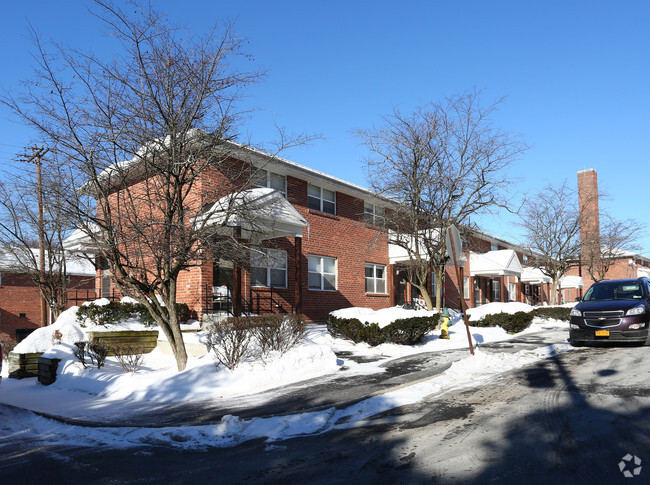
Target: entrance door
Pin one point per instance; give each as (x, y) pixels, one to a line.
(401, 287)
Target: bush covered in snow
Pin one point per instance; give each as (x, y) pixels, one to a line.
(555, 312)
(510, 322)
(404, 331)
(102, 313)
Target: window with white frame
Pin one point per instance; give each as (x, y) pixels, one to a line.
(494, 246)
(466, 287)
(321, 199)
(434, 284)
(524, 258)
(512, 291)
(269, 267)
(266, 178)
(321, 273)
(375, 278)
(496, 290)
(374, 214)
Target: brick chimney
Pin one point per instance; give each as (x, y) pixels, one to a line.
(590, 224)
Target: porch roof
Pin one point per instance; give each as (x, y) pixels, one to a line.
(571, 281)
(262, 213)
(534, 276)
(503, 262)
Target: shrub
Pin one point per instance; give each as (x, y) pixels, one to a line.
(109, 314)
(96, 350)
(130, 358)
(558, 313)
(116, 312)
(511, 323)
(405, 331)
(8, 345)
(230, 339)
(353, 329)
(410, 331)
(278, 332)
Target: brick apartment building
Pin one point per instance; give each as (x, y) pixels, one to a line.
(325, 249)
(20, 299)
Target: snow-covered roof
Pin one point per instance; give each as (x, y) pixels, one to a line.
(503, 262)
(126, 170)
(76, 264)
(571, 281)
(81, 241)
(261, 210)
(534, 276)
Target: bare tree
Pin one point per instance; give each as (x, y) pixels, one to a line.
(150, 135)
(19, 235)
(551, 223)
(443, 164)
(601, 249)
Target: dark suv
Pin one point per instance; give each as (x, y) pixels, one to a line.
(614, 311)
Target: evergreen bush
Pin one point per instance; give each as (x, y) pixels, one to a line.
(558, 313)
(510, 322)
(405, 331)
(116, 312)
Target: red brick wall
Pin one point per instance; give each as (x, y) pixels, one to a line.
(19, 296)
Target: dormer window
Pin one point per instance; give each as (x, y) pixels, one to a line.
(494, 246)
(321, 199)
(265, 178)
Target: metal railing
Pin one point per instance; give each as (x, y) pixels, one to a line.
(77, 297)
(260, 301)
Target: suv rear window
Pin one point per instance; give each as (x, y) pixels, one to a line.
(614, 291)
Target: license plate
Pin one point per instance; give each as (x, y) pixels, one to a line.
(602, 333)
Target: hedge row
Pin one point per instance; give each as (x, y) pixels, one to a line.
(405, 331)
(513, 323)
(116, 312)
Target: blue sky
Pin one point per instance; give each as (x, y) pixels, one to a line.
(575, 76)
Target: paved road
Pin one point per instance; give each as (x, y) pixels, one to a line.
(568, 419)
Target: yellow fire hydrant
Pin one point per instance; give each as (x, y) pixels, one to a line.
(444, 323)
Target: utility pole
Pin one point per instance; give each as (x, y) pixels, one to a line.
(37, 155)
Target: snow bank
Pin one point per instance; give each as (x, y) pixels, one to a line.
(42, 339)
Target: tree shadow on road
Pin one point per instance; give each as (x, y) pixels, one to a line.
(579, 434)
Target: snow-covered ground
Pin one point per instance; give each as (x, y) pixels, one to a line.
(80, 391)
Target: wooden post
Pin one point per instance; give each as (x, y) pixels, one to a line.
(462, 300)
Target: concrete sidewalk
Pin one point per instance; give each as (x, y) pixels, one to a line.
(339, 391)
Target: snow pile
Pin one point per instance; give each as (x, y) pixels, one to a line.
(42, 339)
(479, 312)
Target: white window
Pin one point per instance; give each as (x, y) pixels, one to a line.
(524, 258)
(321, 273)
(264, 178)
(320, 199)
(494, 246)
(269, 268)
(374, 214)
(375, 278)
(466, 287)
(434, 284)
(496, 290)
(512, 291)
